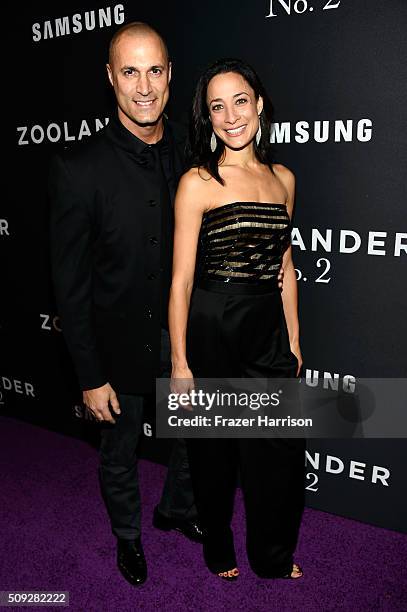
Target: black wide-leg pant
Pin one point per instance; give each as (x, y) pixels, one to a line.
(234, 334)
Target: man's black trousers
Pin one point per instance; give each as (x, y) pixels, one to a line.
(118, 467)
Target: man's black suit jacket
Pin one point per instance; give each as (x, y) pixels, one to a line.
(105, 248)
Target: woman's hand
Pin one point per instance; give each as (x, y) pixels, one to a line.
(295, 348)
(280, 278)
(182, 381)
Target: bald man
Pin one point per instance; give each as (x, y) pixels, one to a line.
(111, 239)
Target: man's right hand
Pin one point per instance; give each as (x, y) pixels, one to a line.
(97, 401)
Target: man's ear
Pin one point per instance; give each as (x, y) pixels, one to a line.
(169, 71)
(109, 73)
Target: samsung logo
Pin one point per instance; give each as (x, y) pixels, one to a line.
(340, 130)
(74, 24)
(81, 412)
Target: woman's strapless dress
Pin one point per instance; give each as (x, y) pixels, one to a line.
(237, 329)
(236, 323)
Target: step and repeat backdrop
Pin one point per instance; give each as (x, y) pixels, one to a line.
(334, 71)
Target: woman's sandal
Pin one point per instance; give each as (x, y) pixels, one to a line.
(230, 575)
(297, 569)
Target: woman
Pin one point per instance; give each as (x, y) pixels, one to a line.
(233, 321)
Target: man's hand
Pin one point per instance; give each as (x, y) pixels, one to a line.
(97, 401)
(280, 277)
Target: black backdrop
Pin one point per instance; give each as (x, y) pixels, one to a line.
(335, 71)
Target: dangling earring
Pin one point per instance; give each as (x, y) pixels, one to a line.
(214, 143)
(258, 133)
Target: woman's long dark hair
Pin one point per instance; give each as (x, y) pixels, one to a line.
(199, 154)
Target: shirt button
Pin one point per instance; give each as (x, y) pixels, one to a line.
(153, 241)
(149, 314)
(152, 202)
(151, 276)
(148, 348)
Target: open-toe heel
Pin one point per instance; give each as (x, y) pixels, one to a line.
(219, 553)
(230, 574)
(297, 569)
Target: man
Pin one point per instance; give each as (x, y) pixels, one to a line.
(111, 237)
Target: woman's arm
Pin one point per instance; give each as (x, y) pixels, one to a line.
(289, 293)
(289, 297)
(188, 219)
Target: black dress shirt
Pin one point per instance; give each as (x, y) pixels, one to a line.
(159, 159)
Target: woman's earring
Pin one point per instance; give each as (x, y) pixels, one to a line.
(214, 143)
(258, 134)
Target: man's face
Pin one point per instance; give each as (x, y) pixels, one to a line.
(140, 74)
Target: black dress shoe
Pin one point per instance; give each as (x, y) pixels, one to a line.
(131, 561)
(190, 528)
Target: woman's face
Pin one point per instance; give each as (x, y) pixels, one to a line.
(233, 109)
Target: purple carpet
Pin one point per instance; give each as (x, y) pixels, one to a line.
(56, 537)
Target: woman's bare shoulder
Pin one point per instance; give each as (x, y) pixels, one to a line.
(286, 177)
(195, 177)
(193, 188)
(284, 173)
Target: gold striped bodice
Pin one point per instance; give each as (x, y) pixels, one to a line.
(243, 242)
